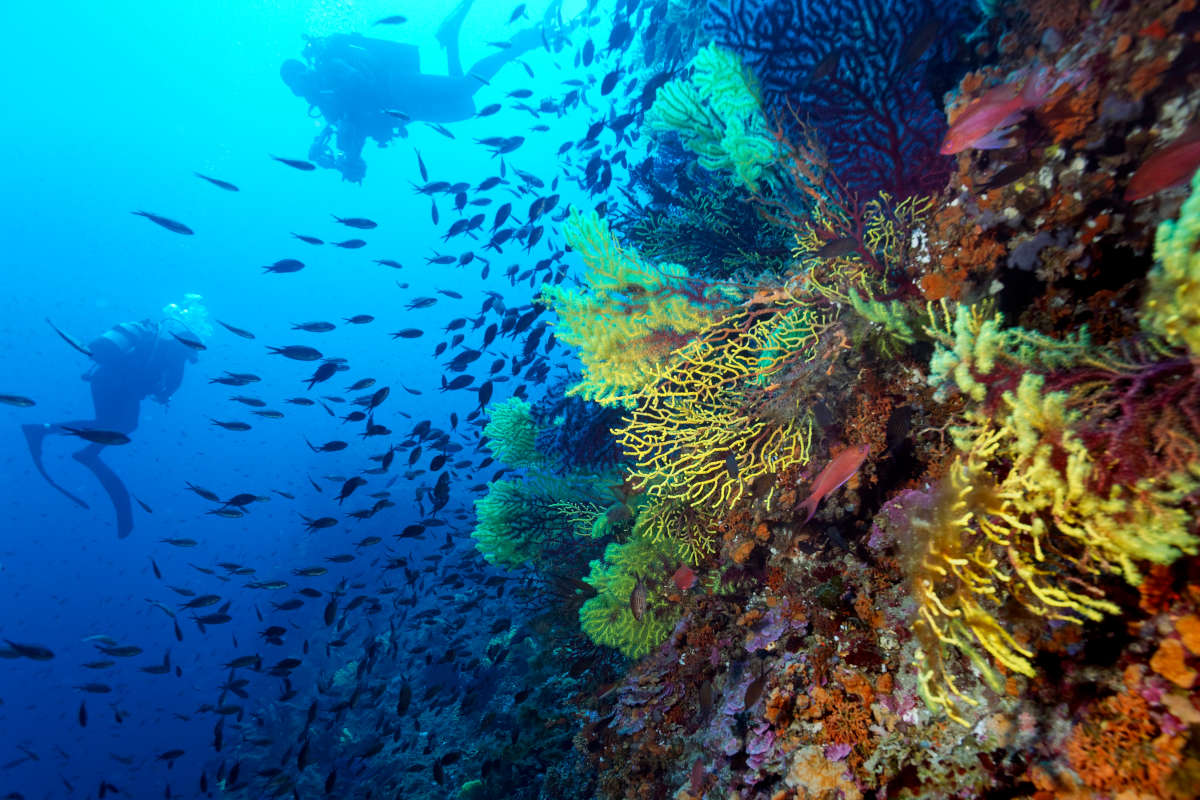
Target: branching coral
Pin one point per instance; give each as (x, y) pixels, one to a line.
(718, 116)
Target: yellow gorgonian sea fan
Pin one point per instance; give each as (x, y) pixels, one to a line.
(629, 316)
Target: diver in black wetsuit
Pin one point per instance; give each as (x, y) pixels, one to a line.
(354, 81)
(132, 361)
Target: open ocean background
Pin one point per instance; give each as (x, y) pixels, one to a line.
(111, 107)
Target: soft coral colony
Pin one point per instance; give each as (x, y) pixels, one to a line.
(988, 393)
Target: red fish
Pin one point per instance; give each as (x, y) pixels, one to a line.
(1170, 166)
(985, 124)
(684, 577)
(837, 472)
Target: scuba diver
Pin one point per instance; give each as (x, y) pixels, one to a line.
(366, 87)
(132, 361)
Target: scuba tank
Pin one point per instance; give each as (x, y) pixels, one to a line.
(121, 343)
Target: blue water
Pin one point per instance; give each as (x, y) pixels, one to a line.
(110, 107)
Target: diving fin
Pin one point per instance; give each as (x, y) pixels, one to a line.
(447, 32)
(34, 434)
(113, 486)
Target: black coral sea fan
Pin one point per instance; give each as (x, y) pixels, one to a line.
(868, 75)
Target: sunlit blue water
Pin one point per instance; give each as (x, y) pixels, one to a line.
(110, 109)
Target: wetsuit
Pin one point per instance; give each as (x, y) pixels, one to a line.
(353, 80)
(133, 361)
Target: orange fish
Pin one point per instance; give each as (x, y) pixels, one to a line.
(837, 472)
(1171, 166)
(986, 122)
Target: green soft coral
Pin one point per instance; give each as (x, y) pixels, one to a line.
(1172, 307)
(718, 114)
(512, 434)
(608, 618)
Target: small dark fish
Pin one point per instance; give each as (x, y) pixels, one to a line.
(754, 690)
(296, 163)
(731, 465)
(194, 344)
(94, 688)
(378, 398)
(31, 651)
(610, 80)
(620, 35)
(308, 239)
(361, 223)
(236, 331)
(328, 447)
(205, 493)
(1006, 175)
(421, 166)
(919, 42)
(318, 524)
(284, 266)
(360, 319)
(350, 244)
(323, 373)
(314, 327)
(387, 262)
(220, 184)
(837, 248)
(69, 339)
(297, 352)
(82, 714)
(180, 542)
(169, 224)
(16, 400)
(488, 110)
(517, 13)
(826, 66)
(395, 19)
(253, 402)
(148, 510)
(231, 426)
(99, 437)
